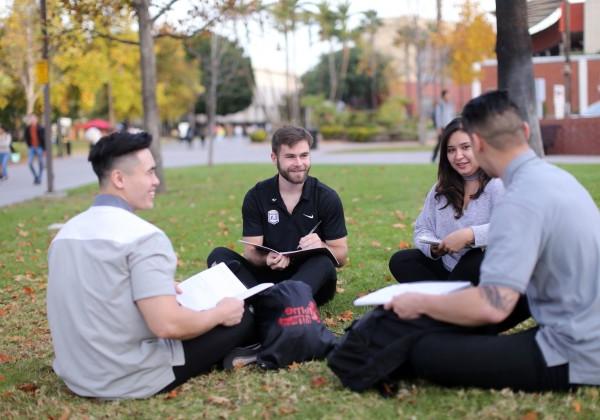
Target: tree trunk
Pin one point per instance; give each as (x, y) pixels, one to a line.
(211, 103)
(515, 68)
(148, 71)
(344, 69)
(27, 80)
(332, 74)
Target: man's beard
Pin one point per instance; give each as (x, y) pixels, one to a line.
(287, 177)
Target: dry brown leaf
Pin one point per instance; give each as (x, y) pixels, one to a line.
(217, 400)
(376, 244)
(19, 258)
(27, 290)
(23, 233)
(2, 311)
(403, 245)
(65, 414)
(4, 358)
(318, 381)
(387, 277)
(2, 378)
(28, 387)
(294, 366)
(172, 394)
(399, 225)
(400, 215)
(286, 410)
(340, 289)
(330, 322)
(577, 406)
(531, 415)
(346, 316)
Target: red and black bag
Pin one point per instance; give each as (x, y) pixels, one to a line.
(289, 326)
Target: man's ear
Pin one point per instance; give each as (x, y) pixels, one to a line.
(478, 143)
(273, 157)
(526, 130)
(117, 179)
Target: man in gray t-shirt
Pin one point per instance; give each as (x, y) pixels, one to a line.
(544, 246)
(117, 329)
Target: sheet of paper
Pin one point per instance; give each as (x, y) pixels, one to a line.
(431, 240)
(205, 289)
(382, 296)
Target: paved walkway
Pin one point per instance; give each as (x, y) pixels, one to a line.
(75, 171)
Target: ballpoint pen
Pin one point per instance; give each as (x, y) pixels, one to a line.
(312, 231)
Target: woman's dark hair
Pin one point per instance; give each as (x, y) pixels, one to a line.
(450, 183)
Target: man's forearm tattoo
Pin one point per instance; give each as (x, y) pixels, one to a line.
(495, 297)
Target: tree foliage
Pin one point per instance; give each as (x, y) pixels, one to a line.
(472, 40)
(357, 84)
(236, 79)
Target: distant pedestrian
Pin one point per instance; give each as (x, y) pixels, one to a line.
(34, 137)
(5, 140)
(443, 114)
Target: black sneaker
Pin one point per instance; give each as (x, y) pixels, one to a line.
(241, 356)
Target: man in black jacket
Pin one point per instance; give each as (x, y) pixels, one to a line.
(34, 137)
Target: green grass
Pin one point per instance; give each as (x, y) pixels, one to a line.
(200, 211)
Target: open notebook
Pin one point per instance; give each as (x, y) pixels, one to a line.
(205, 289)
(383, 296)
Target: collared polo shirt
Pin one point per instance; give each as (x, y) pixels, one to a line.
(99, 264)
(264, 214)
(544, 241)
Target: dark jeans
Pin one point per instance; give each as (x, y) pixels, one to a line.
(204, 352)
(412, 265)
(487, 361)
(317, 271)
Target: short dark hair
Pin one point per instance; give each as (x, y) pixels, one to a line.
(444, 93)
(104, 153)
(493, 116)
(289, 135)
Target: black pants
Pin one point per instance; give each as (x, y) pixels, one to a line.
(204, 352)
(412, 265)
(317, 271)
(487, 361)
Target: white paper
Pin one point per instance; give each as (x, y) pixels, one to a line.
(205, 289)
(429, 240)
(383, 296)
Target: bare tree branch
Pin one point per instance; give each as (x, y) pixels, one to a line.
(163, 10)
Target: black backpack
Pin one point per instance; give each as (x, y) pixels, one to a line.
(374, 351)
(289, 326)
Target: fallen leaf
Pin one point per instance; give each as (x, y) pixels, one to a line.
(346, 316)
(400, 215)
(4, 358)
(376, 244)
(172, 394)
(387, 277)
(577, 406)
(65, 414)
(286, 410)
(215, 399)
(403, 245)
(27, 290)
(318, 381)
(23, 233)
(19, 258)
(294, 366)
(340, 289)
(399, 225)
(330, 322)
(2, 378)
(531, 415)
(28, 387)
(2, 311)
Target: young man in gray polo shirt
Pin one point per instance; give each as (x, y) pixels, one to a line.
(117, 329)
(544, 243)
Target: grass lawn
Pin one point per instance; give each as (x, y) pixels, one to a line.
(200, 211)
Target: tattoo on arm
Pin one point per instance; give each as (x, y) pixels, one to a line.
(495, 297)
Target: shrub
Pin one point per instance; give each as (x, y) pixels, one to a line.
(258, 136)
(392, 113)
(333, 132)
(363, 134)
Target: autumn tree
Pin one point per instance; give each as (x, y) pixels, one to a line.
(515, 69)
(471, 41)
(20, 46)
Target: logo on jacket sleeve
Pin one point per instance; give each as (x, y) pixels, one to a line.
(273, 217)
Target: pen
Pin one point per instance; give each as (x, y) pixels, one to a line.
(311, 231)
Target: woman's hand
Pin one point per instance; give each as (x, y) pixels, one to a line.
(457, 240)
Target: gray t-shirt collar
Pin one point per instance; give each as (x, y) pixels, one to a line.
(111, 200)
(515, 164)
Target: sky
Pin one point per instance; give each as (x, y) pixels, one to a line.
(267, 51)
